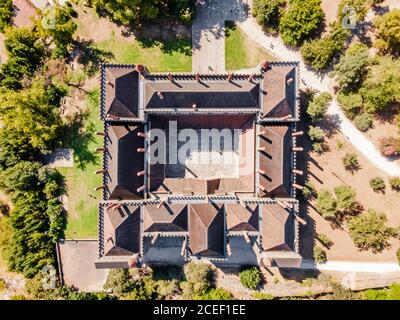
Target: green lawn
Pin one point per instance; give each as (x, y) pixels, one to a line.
(174, 56)
(81, 180)
(240, 51)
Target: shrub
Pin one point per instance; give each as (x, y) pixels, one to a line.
(316, 134)
(346, 199)
(363, 121)
(18, 297)
(309, 190)
(119, 281)
(325, 241)
(268, 13)
(250, 277)
(214, 294)
(395, 183)
(377, 184)
(2, 285)
(6, 13)
(351, 103)
(198, 276)
(341, 293)
(318, 106)
(350, 162)
(326, 204)
(167, 289)
(360, 7)
(369, 231)
(301, 21)
(319, 255)
(262, 296)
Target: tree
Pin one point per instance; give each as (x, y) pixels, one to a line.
(388, 31)
(198, 277)
(325, 241)
(318, 106)
(377, 184)
(250, 277)
(138, 11)
(350, 162)
(301, 21)
(30, 116)
(347, 7)
(319, 53)
(346, 199)
(6, 13)
(317, 137)
(350, 102)
(215, 294)
(351, 68)
(62, 34)
(268, 13)
(326, 204)
(369, 231)
(363, 121)
(24, 56)
(319, 255)
(119, 281)
(395, 183)
(21, 177)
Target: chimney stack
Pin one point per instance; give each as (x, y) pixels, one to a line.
(153, 241)
(160, 204)
(286, 117)
(198, 77)
(141, 173)
(261, 149)
(299, 172)
(139, 68)
(110, 84)
(160, 95)
(297, 186)
(230, 76)
(228, 248)
(297, 149)
(265, 65)
(250, 78)
(289, 81)
(141, 134)
(141, 150)
(170, 77)
(140, 189)
(194, 107)
(261, 133)
(261, 171)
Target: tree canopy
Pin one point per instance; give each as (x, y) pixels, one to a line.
(301, 21)
(6, 13)
(268, 13)
(388, 31)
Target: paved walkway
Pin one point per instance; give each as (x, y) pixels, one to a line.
(347, 266)
(208, 38)
(321, 83)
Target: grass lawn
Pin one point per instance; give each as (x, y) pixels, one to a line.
(240, 51)
(80, 180)
(174, 56)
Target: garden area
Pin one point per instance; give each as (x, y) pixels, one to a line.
(240, 51)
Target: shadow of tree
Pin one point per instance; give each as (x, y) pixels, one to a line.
(91, 57)
(79, 137)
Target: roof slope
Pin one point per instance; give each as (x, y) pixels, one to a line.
(241, 219)
(121, 86)
(121, 231)
(167, 218)
(122, 162)
(279, 92)
(210, 94)
(206, 230)
(276, 160)
(277, 228)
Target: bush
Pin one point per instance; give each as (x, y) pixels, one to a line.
(262, 296)
(326, 204)
(395, 183)
(268, 13)
(301, 21)
(318, 106)
(198, 277)
(350, 162)
(341, 293)
(2, 285)
(119, 281)
(6, 13)
(214, 294)
(346, 199)
(363, 121)
(250, 277)
(369, 231)
(167, 289)
(18, 297)
(351, 103)
(319, 255)
(325, 241)
(377, 184)
(316, 134)
(309, 190)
